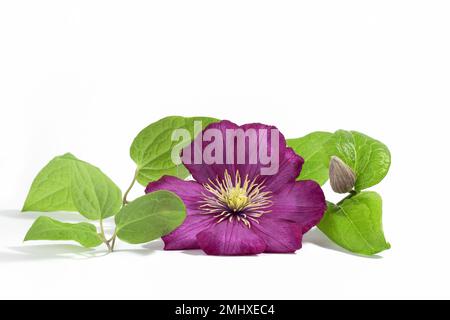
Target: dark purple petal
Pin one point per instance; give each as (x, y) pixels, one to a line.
(189, 191)
(202, 172)
(302, 202)
(249, 163)
(280, 236)
(230, 239)
(185, 236)
(289, 170)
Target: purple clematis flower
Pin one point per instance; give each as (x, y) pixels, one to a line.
(234, 210)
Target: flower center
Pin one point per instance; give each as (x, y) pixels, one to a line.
(236, 199)
(229, 198)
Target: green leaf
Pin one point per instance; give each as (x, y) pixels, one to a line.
(356, 224)
(69, 184)
(312, 148)
(369, 159)
(150, 217)
(152, 148)
(45, 228)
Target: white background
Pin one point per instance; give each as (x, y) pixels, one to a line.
(87, 76)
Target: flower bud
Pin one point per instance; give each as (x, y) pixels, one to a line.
(342, 177)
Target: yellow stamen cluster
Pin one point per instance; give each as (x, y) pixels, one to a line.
(239, 199)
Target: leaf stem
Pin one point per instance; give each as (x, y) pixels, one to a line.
(112, 242)
(352, 193)
(102, 232)
(125, 196)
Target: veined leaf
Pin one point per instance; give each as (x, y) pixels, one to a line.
(150, 217)
(356, 224)
(45, 228)
(152, 148)
(312, 148)
(368, 158)
(69, 184)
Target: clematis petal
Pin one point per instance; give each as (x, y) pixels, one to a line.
(230, 239)
(189, 191)
(280, 236)
(203, 170)
(302, 202)
(185, 236)
(289, 169)
(258, 157)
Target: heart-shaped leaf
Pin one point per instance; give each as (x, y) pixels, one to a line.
(150, 217)
(152, 148)
(368, 158)
(45, 228)
(69, 184)
(312, 148)
(356, 224)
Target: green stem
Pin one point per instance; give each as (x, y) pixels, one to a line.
(112, 242)
(102, 233)
(352, 193)
(113, 239)
(125, 196)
